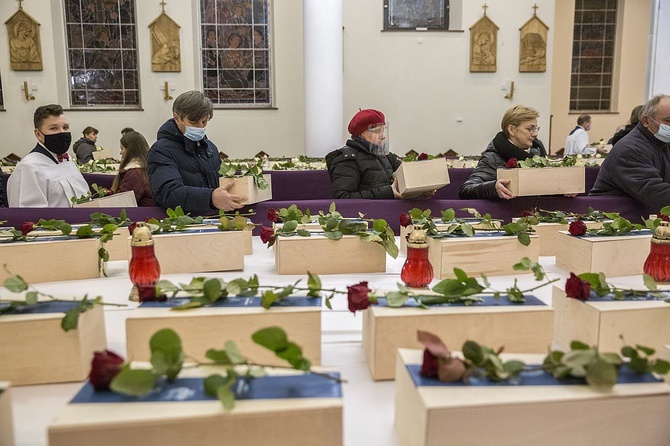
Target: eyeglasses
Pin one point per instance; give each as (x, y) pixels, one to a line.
(532, 129)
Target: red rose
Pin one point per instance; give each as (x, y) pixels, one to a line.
(664, 217)
(511, 163)
(27, 226)
(527, 214)
(430, 365)
(357, 295)
(577, 228)
(104, 367)
(273, 215)
(267, 235)
(405, 220)
(131, 227)
(422, 156)
(577, 288)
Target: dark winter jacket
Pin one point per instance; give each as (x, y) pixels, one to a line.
(482, 181)
(133, 179)
(638, 166)
(620, 134)
(84, 149)
(357, 173)
(183, 172)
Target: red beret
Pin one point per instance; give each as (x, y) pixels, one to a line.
(365, 119)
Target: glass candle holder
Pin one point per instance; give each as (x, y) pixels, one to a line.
(657, 264)
(144, 269)
(417, 272)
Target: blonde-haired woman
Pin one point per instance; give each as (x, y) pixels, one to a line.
(132, 174)
(518, 140)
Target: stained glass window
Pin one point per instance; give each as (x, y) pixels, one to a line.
(593, 55)
(413, 14)
(102, 53)
(235, 47)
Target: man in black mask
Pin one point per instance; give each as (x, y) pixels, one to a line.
(46, 177)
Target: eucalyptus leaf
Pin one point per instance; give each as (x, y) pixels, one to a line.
(16, 284)
(212, 289)
(71, 320)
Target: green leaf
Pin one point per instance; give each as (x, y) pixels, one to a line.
(268, 298)
(646, 350)
(85, 231)
(601, 374)
(649, 282)
(212, 289)
(333, 235)
(218, 356)
(313, 282)
(167, 354)
(71, 319)
(134, 382)
(660, 367)
(226, 396)
(461, 275)
(331, 208)
(212, 383)
(379, 225)
(524, 238)
(31, 297)
(272, 338)
(234, 353)
(578, 345)
(473, 352)
(396, 298)
(304, 233)
(15, 284)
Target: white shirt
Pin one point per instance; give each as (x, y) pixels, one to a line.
(577, 143)
(38, 181)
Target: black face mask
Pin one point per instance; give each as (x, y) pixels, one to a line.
(58, 143)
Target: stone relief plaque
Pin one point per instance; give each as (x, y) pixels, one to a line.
(165, 45)
(25, 53)
(533, 45)
(483, 45)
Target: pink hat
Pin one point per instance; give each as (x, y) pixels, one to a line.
(365, 119)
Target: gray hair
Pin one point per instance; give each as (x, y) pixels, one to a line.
(650, 108)
(193, 105)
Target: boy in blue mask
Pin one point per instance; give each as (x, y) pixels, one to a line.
(184, 164)
(639, 164)
(46, 177)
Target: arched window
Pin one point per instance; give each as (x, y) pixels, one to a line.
(102, 53)
(235, 45)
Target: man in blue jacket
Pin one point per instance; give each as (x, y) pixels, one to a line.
(184, 165)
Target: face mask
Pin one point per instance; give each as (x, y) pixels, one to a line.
(57, 143)
(663, 133)
(194, 133)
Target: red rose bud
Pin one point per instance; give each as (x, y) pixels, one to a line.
(577, 288)
(405, 220)
(430, 365)
(664, 217)
(422, 156)
(27, 226)
(131, 227)
(577, 228)
(357, 296)
(511, 163)
(527, 214)
(267, 235)
(104, 367)
(273, 215)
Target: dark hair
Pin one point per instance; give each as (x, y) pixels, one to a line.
(127, 130)
(230, 38)
(88, 130)
(193, 105)
(44, 111)
(136, 149)
(635, 115)
(583, 119)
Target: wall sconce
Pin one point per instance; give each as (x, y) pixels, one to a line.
(28, 89)
(167, 89)
(510, 95)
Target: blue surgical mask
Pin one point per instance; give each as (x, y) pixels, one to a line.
(194, 133)
(663, 133)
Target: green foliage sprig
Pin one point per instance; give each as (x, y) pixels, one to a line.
(16, 284)
(230, 169)
(167, 361)
(537, 161)
(599, 285)
(455, 226)
(564, 217)
(618, 226)
(103, 165)
(177, 220)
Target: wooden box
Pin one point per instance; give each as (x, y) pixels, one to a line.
(246, 188)
(300, 410)
(601, 322)
(53, 259)
(320, 255)
(205, 328)
(493, 255)
(548, 415)
(417, 177)
(120, 200)
(199, 250)
(439, 224)
(545, 180)
(549, 231)
(36, 350)
(6, 419)
(210, 223)
(103, 154)
(518, 327)
(622, 255)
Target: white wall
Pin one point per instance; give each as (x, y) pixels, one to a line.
(239, 133)
(659, 64)
(421, 80)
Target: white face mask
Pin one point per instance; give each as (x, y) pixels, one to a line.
(194, 133)
(663, 133)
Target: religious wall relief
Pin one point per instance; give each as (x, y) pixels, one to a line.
(483, 45)
(533, 45)
(165, 45)
(25, 53)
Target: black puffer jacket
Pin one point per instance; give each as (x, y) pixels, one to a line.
(84, 149)
(357, 173)
(183, 172)
(482, 182)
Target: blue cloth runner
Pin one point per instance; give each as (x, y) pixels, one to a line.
(191, 389)
(489, 301)
(44, 307)
(235, 302)
(478, 233)
(533, 378)
(593, 297)
(640, 232)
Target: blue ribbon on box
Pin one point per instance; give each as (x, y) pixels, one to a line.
(593, 297)
(531, 378)
(191, 389)
(238, 302)
(489, 301)
(42, 307)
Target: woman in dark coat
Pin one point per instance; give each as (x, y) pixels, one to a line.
(132, 174)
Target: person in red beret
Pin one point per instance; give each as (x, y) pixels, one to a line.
(364, 167)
